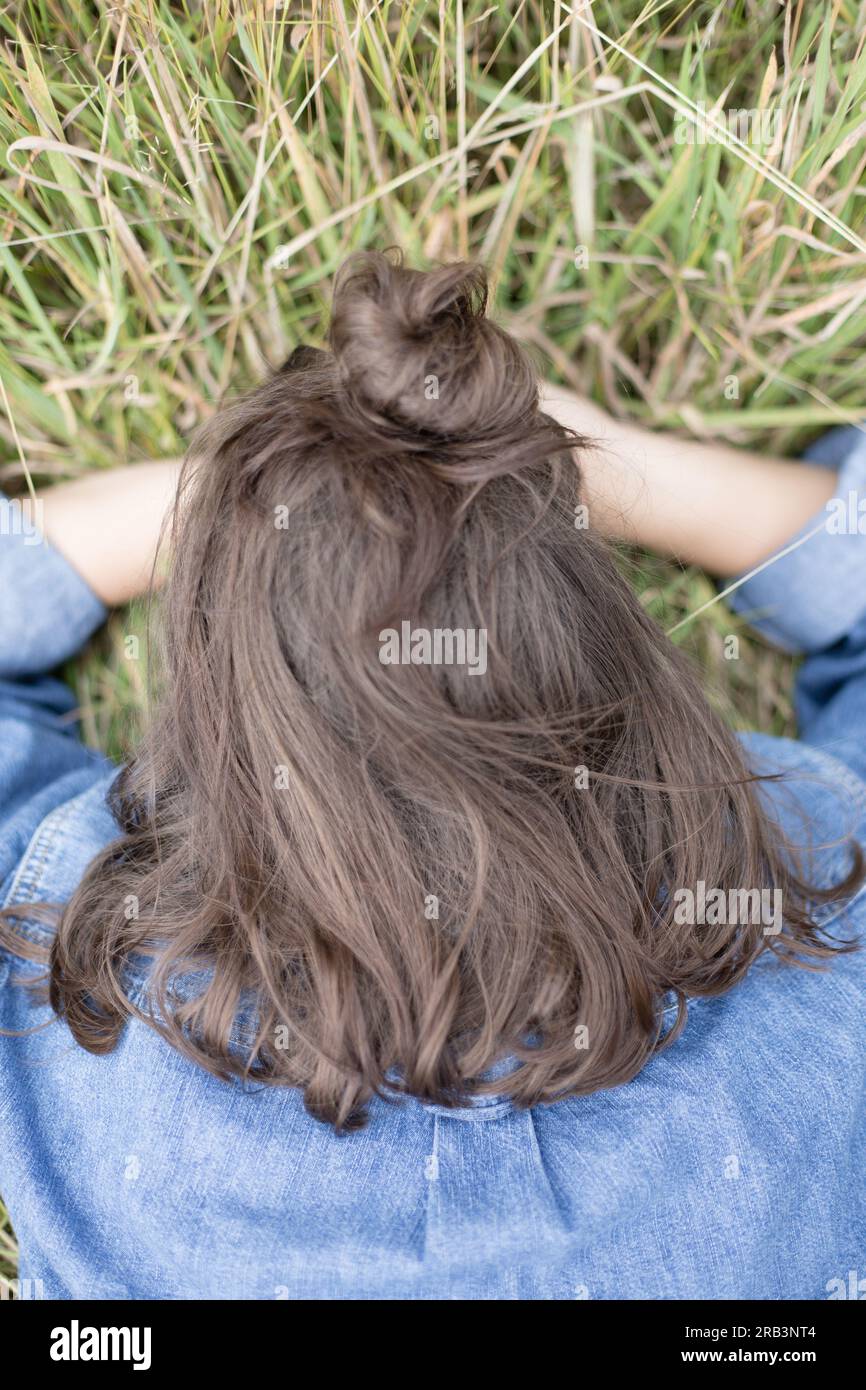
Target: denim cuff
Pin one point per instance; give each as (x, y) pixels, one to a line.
(47, 611)
(814, 595)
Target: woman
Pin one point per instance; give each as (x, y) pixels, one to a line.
(385, 972)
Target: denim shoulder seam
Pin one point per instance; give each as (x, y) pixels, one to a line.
(28, 875)
(856, 789)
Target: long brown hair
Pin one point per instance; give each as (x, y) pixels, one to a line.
(404, 872)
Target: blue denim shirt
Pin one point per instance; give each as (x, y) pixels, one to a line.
(730, 1167)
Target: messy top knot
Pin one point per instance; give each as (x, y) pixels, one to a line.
(418, 359)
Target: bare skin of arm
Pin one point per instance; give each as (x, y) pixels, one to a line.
(722, 508)
(107, 524)
(712, 505)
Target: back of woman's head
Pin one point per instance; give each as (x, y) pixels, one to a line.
(425, 777)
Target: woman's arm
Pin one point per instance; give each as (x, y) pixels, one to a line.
(722, 508)
(107, 524)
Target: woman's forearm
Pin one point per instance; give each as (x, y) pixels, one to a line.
(107, 524)
(722, 508)
(712, 505)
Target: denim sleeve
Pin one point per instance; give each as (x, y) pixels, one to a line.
(812, 600)
(47, 611)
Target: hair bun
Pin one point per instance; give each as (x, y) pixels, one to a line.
(418, 357)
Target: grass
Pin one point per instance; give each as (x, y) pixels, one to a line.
(179, 182)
